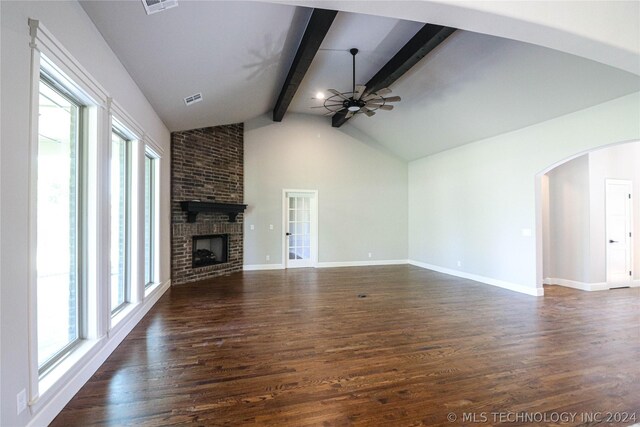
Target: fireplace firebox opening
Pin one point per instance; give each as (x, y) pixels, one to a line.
(210, 250)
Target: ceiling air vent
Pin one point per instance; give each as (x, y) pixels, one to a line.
(154, 6)
(193, 99)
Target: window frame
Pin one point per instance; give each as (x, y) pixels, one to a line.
(153, 190)
(49, 56)
(120, 131)
(46, 78)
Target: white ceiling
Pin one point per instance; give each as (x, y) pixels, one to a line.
(237, 55)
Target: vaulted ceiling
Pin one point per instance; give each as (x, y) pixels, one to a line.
(237, 54)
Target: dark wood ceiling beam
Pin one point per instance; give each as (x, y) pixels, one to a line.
(317, 28)
(423, 42)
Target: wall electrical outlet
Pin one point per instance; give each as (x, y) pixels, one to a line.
(369, 254)
(251, 227)
(268, 257)
(270, 226)
(459, 263)
(21, 401)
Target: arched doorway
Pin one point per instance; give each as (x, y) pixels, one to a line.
(577, 242)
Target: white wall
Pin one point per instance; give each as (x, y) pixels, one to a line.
(71, 26)
(473, 202)
(569, 245)
(362, 190)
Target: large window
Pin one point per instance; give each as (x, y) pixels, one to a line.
(149, 219)
(119, 221)
(59, 223)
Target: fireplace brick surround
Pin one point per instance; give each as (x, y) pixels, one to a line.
(206, 165)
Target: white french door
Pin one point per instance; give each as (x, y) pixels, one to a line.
(618, 231)
(300, 228)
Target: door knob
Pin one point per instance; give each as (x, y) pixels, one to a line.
(613, 241)
(287, 234)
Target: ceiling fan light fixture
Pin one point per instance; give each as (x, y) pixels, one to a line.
(353, 108)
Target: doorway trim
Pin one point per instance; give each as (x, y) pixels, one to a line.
(628, 229)
(314, 225)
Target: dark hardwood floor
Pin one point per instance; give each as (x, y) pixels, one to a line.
(300, 348)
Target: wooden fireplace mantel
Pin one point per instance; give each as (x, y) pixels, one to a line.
(193, 208)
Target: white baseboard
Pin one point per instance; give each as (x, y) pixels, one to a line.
(574, 284)
(329, 264)
(482, 279)
(55, 403)
(256, 267)
(586, 286)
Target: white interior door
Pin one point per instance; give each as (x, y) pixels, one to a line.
(301, 228)
(618, 231)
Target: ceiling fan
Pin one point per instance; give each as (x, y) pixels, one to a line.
(358, 101)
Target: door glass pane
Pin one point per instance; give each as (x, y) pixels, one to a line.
(299, 227)
(57, 223)
(118, 219)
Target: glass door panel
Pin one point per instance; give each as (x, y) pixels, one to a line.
(299, 229)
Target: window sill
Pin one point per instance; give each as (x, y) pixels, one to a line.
(120, 317)
(61, 374)
(149, 290)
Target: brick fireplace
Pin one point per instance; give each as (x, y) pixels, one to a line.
(207, 166)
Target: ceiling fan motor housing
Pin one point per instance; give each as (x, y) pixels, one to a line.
(353, 104)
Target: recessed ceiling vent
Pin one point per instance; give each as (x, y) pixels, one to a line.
(155, 6)
(193, 99)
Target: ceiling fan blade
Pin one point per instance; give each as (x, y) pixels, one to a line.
(378, 94)
(335, 92)
(368, 112)
(379, 101)
(386, 107)
(328, 105)
(349, 114)
(359, 91)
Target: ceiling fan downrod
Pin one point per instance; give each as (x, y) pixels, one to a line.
(354, 52)
(353, 104)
